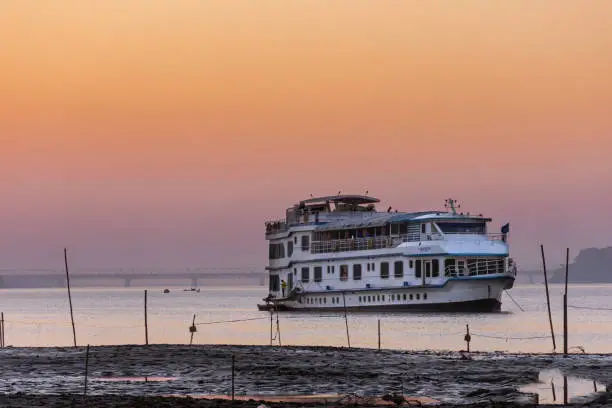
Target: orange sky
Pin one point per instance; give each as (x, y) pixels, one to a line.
(137, 132)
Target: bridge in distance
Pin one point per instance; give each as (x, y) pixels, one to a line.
(193, 275)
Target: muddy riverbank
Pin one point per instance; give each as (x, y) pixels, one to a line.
(31, 376)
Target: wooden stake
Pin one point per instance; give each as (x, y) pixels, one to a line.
(378, 334)
(565, 305)
(69, 296)
(467, 337)
(145, 319)
(271, 325)
(233, 374)
(2, 329)
(86, 370)
(552, 330)
(278, 332)
(565, 389)
(192, 329)
(348, 336)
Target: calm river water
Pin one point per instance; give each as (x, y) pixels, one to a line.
(103, 316)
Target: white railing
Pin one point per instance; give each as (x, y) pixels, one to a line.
(476, 267)
(360, 244)
(273, 227)
(474, 235)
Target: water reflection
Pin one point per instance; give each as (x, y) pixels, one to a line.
(555, 388)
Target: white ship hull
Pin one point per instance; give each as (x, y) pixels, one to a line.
(456, 295)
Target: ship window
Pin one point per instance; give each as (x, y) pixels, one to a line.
(399, 269)
(359, 298)
(404, 296)
(274, 283)
(378, 298)
(417, 269)
(368, 267)
(435, 268)
(384, 270)
(305, 242)
(449, 266)
(462, 227)
(328, 269)
(289, 248)
(357, 272)
(325, 300)
(411, 264)
(318, 274)
(418, 296)
(343, 272)
(424, 296)
(472, 266)
(295, 240)
(392, 297)
(411, 296)
(383, 298)
(373, 268)
(422, 228)
(369, 299)
(305, 274)
(276, 251)
(333, 269)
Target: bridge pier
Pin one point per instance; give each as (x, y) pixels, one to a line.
(127, 282)
(194, 282)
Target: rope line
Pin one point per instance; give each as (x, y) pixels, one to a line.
(231, 321)
(589, 308)
(509, 337)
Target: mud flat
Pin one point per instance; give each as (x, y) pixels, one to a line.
(182, 376)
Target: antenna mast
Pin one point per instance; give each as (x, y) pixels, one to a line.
(450, 203)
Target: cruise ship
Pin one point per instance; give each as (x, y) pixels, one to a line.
(341, 253)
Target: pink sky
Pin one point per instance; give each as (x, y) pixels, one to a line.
(165, 133)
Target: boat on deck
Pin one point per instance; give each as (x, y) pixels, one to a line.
(339, 252)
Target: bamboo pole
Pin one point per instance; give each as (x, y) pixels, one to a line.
(565, 304)
(69, 295)
(86, 370)
(552, 330)
(378, 334)
(146, 323)
(348, 336)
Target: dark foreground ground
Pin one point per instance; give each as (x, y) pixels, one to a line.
(54, 377)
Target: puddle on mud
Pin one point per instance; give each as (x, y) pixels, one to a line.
(134, 379)
(550, 387)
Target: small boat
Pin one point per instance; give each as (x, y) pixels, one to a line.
(166, 290)
(192, 290)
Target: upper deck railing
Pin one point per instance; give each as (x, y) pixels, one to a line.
(360, 244)
(273, 227)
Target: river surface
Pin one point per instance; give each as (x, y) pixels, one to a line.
(113, 316)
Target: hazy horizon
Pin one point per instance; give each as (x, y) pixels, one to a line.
(165, 134)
